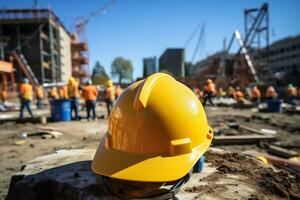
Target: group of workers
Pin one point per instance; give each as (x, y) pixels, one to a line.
(73, 91)
(254, 94)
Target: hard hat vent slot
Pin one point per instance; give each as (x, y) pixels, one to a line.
(180, 146)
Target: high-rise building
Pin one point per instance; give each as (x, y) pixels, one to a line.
(149, 66)
(172, 61)
(40, 41)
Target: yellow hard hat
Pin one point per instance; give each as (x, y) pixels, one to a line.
(209, 81)
(109, 83)
(262, 159)
(157, 131)
(72, 81)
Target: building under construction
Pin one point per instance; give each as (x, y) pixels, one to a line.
(39, 45)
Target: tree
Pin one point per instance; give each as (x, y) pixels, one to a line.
(99, 76)
(122, 69)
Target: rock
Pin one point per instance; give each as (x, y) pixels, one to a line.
(67, 175)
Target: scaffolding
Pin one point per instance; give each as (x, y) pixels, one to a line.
(34, 34)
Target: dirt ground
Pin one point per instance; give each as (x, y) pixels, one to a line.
(79, 134)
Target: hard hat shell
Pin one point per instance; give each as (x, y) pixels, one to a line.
(72, 81)
(157, 131)
(209, 81)
(25, 80)
(109, 83)
(89, 82)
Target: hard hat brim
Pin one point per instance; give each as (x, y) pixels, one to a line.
(145, 168)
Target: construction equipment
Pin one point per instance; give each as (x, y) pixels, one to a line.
(81, 22)
(154, 136)
(256, 28)
(245, 53)
(26, 69)
(7, 72)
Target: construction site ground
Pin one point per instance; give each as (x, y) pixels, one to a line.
(16, 151)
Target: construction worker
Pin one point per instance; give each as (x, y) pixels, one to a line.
(26, 97)
(39, 97)
(221, 93)
(199, 93)
(63, 92)
(73, 93)
(291, 93)
(4, 96)
(255, 95)
(271, 94)
(230, 92)
(239, 95)
(209, 92)
(53, 93)
(118, 91)
(90, 94)
(109, 95)
(151, 141)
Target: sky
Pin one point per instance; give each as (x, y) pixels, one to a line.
(135, 29)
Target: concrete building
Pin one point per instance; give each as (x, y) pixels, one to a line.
(284, 56)
(65, 55)
(173, 62)
(209, 61)
(284, 61)
(40, 40)
(149, 66)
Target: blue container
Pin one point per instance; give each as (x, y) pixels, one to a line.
(274, 105)
(60, 110)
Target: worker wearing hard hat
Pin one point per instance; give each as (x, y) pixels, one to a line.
(198, 93)
(53, 93)
(221, 93)
(291, 93)
(109, 95)
(39, 96)
(255, 95)
(73, 93)
(230, 92)
(151, 141)
(26, 97)
(118, 91)
(90, 94)
(63, 92)
(4, 95)
(239, 95)
(209, 92)
(271, 93)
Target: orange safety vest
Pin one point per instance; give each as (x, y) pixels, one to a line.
(26, 91)
(210, 87)
(90, 93)
(255, 93)
(53, 93)
(109, 94)
(63, 92)
(40, 92)
(292, 91)
(239, 95)
(73, 90)
(4, 95)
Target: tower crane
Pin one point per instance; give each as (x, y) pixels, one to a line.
(81, 22)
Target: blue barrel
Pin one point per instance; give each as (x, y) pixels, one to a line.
(274, 105)
(60, 110)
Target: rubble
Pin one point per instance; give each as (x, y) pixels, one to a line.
(67, 174)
